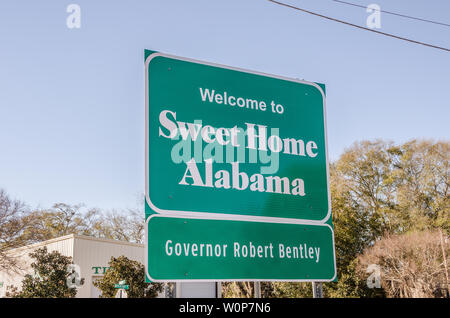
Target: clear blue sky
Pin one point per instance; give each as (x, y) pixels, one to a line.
(72, 100)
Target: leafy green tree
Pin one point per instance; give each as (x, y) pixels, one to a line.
(351, 284)
(133, 273)
(49, 279)
(422, 176)
(364, 173)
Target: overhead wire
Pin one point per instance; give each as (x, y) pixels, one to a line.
(394, 13)
(360, 27)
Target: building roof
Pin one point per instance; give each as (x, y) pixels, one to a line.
(73, 236)
(91, 238)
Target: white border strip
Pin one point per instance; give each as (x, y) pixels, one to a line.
(231, 279)
(224, 216)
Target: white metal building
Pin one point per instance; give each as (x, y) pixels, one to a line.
(92, 255)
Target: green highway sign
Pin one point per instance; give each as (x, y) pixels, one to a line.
(266, 135)
(225, 144)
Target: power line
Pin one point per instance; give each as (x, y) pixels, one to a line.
(360, 27)
(393, 13)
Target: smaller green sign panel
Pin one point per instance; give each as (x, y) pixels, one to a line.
(213, 249)
(120, 286)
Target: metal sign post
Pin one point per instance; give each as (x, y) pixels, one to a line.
(257, 287)
(317, 290)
